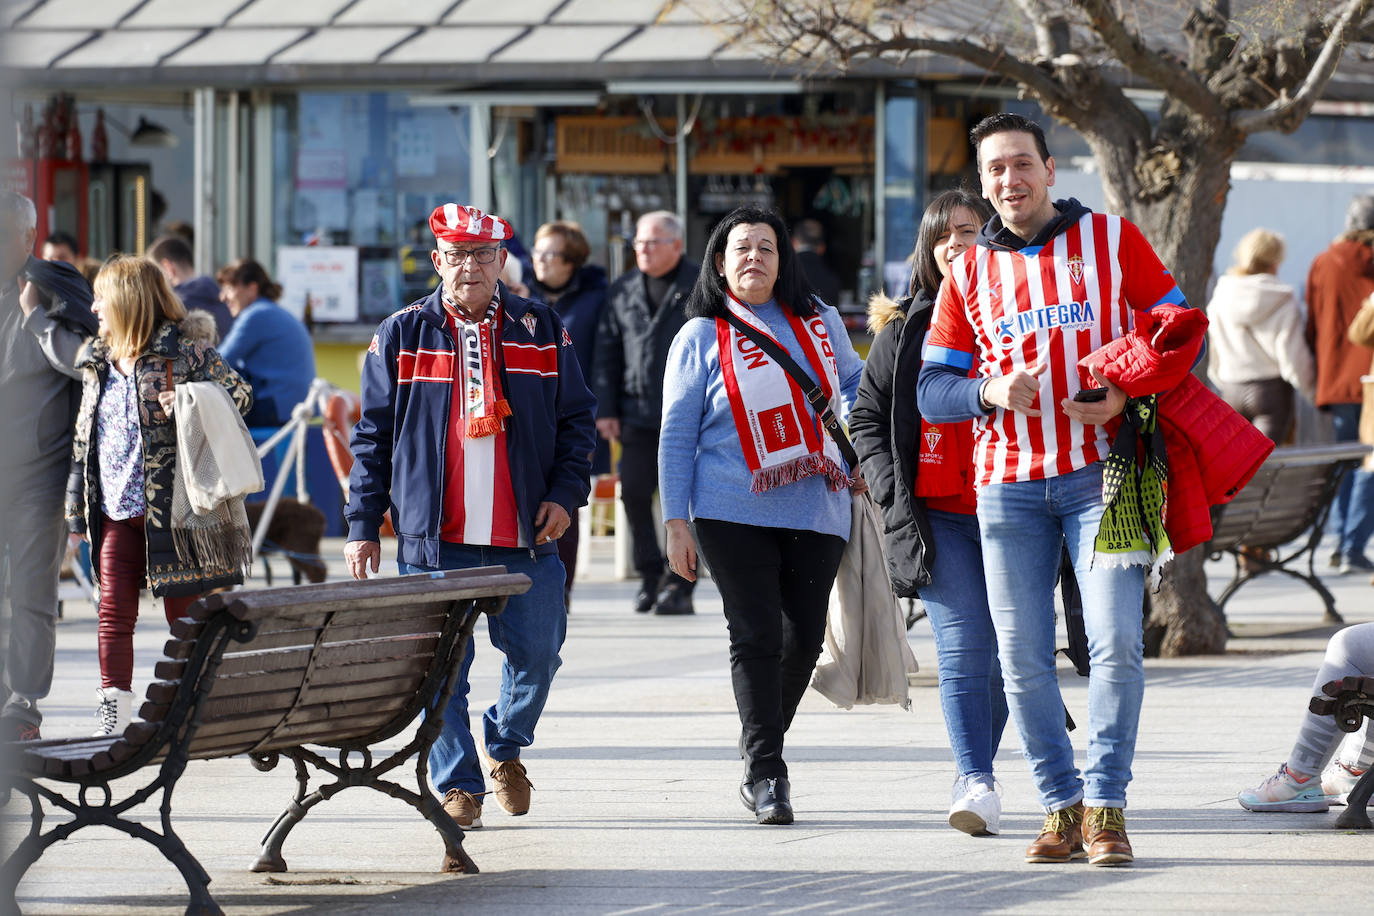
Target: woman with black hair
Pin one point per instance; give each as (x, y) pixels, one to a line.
(743, 455)
(922, 476)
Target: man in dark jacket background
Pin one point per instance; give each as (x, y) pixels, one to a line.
(476, 431)
(1340, 281)
(39, 387)
(643, 314)
(173, 255)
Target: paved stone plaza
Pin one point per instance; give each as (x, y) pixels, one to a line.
(635, 810)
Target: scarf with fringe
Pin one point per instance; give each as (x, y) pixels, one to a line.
(781, 436)
(484, 406)
(216, 466)
(1135, 493)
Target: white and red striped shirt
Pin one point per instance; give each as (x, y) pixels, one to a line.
(1003, 310)
(479, 502)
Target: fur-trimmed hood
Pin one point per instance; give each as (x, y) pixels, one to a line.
(883, 310)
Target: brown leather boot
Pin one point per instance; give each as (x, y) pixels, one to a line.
(1061, 839)
(1104, 830)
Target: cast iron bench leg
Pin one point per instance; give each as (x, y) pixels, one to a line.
(1356, 813)
(168, 843)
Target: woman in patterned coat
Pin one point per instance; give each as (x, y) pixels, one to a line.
(119, 492)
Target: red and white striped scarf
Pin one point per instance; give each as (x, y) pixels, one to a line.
(483, 404)
(782, 438)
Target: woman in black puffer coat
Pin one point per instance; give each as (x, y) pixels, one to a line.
(922, 476)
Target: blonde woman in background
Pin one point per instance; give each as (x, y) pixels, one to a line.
(124, 458)
(1259, 355)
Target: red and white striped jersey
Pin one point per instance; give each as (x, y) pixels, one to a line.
(1002, 310)
(479, 502)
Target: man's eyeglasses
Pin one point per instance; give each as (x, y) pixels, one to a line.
(455, 256)
(651, 243)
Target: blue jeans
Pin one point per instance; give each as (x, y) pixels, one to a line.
(1352, 515)
(1023, 525)
(956, 601)
(529, 632)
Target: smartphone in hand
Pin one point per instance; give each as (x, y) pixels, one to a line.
(1091, 395)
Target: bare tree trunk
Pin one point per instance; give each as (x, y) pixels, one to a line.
(1177, 198)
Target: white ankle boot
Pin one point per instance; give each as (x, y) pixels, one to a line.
(115, 712)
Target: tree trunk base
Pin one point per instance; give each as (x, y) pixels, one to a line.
(1181, 618)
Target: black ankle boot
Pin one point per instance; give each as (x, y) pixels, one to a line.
(746, 791)
(773, 800)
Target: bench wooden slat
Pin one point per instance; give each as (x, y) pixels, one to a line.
(310, 600)
(281, 700)
(336, 731)
(431, 623)
(165, 691)
(327, 656)
(314, 714)
(186, 628)
(179, 648)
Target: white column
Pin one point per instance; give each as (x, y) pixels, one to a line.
(203, 179)
(262, 242)
(879, 186)
(479, 167)
(682, 167)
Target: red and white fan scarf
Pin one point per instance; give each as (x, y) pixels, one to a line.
(782, 437)
(485, 408)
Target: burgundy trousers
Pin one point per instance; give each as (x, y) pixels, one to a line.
(123, 559)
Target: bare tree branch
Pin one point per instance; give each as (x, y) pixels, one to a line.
(1051, 32)
(1161, 69)
(1287, 113)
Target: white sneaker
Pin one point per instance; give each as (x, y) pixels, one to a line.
(1338, 780)
(977, 808)
(115, 712)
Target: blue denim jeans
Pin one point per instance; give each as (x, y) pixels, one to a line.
(1023, 526)
(956, 601)
(529, 632)
(1352, 515)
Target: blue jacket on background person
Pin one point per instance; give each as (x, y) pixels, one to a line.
(399, 441)
(270, 348)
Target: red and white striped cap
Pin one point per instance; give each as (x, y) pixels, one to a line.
(452, 223)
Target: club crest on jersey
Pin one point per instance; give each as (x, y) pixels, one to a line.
(1076, 268)
(933, 437)
(529, 321)
(1071, 316)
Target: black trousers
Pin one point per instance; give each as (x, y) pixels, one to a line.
(775, 584)
(638, 484)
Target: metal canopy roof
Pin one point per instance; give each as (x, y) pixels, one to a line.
(167, 44)
(176, 45)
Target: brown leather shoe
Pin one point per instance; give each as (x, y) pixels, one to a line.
(512, 785)
(1061, 839)
(464, 807)
(1104, 830)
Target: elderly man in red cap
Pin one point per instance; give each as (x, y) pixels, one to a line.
(477, 432)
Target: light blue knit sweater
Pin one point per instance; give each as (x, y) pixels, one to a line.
(701, 468)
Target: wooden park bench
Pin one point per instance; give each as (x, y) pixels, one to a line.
(1350, 700)
(285, 671)
(1288, 497)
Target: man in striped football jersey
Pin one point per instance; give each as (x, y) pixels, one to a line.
(1048, 283)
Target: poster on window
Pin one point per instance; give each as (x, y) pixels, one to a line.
(324, 279)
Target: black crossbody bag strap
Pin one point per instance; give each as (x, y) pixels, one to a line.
(815, 396)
